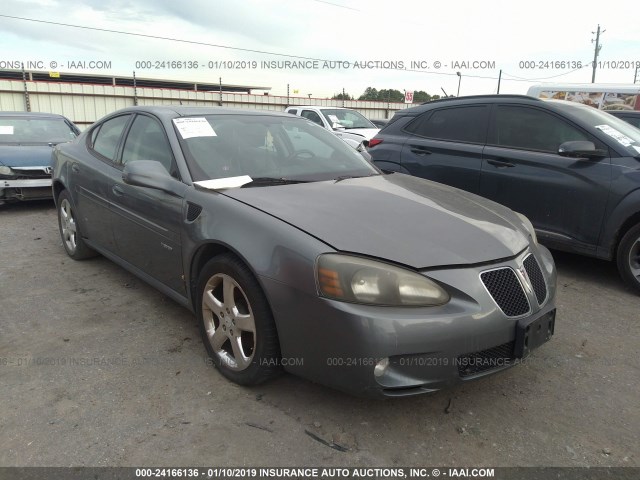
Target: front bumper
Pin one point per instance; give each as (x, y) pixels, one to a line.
(339, 344)
(25, 189)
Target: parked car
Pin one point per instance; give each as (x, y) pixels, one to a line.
(573, 170)
(350, 125)
(26, 139)
(629, 116)
(268, 228)
(379, 122)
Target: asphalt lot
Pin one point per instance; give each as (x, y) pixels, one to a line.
(98, 369)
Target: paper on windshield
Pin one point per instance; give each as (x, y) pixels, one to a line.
(224, 183)
(190, 127)
(334, 119)
(636, 148)
(6, 129)
(615, 134)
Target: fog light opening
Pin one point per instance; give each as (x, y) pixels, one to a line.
(381, 367)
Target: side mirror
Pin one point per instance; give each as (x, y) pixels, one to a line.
(580, 149)
(151, 174)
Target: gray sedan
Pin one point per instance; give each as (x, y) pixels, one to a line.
(296, 253)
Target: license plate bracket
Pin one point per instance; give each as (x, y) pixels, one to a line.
(533, 332)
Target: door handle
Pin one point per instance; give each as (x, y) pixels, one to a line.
(500, 163)
(117, 190)
(418, 150)
(75, 168)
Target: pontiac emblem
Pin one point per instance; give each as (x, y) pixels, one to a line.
(524, 276)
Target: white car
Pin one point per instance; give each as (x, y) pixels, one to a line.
(346, 123)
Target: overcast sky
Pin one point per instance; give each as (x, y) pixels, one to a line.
(501, 33)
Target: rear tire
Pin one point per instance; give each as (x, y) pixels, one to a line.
(628, 257)
(236, 322)
(70, 234)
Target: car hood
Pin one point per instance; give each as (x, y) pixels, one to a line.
(396, 217)
(366, 133)
(25, 155)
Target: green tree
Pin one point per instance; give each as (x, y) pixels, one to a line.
(341, 96)
(370, 94)
(390, 95)
(421, 96)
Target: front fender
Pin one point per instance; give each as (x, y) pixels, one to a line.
(625, 209)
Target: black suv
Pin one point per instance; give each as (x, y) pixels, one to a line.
(629, 116)
(572, 169)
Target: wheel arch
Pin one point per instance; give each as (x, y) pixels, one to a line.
(619, 220)
(205, 252)
(627, 225)
(58, 188)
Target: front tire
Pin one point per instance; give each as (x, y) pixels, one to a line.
(236, 322)
(629, 257)
(72, 240)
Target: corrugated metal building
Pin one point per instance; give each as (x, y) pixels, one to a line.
(86, 98)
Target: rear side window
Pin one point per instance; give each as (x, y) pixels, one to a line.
(313, 116)
(459, 124)
(293, 111)
(106, 140)
(532, 129)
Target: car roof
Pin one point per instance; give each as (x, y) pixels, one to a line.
(557, 105)
(30, 114)
(628, 113)
(318, 107)
(173, 111)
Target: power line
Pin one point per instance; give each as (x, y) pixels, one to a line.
(515, 78)
(337, 5)
(157, 37)
(263, 52)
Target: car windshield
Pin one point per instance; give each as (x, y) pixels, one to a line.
(266, 147)
(346, 118)
(17, 130)
(620, 131)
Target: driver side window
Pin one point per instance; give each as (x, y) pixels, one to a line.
(147, 141)
(313, 116)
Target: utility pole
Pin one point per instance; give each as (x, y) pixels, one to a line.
(596, 52)
(499, 78)
(635, 76)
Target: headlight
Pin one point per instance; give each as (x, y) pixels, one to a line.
(529, 226)
(359, 280)
(5, 170)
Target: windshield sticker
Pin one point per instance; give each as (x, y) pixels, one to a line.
(224, 183)
(194, 127)
(615, 134)
(6, 129)
(334, 119)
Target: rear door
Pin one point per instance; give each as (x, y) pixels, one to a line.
(445, 145)
(565, 198)
(93, 177)
(147, 222)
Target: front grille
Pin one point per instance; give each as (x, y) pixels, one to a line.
(537, 279)
(505, 288)
(478, 362)
(30, 173)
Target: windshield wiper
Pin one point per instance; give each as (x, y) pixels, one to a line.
(262, 181)
(347, 177)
